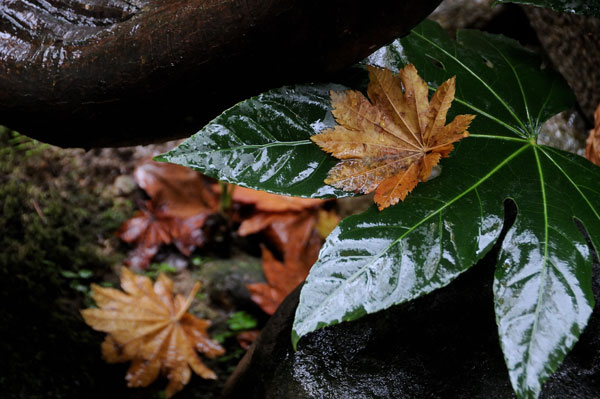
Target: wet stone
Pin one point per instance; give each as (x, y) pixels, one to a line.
(225, 280)
(444, 345)
(565, 131)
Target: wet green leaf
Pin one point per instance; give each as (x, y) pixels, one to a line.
(85, 273)
(263, 143)
(68, 274)
(585, 7)
(240, 321)
(542, 284)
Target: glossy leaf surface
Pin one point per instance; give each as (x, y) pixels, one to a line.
(263, 143)
(585, 7)
(542, 284)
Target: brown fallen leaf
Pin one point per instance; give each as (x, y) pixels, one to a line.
(390, 144)
(298, 240)
(592, 144)
(264, 201)
(180, 201)
(287, 221)
(289, 231)
(291, 224)
(247, 338)
(281, 278)
(150, 327)
(149, 229)
(176, 190)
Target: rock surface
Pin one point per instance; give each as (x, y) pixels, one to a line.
(95, 73)
(572, 43)
(444, 345)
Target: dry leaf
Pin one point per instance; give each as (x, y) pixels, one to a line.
(268, 202)
(291, 225)
(326, 222)
(150, 327)
(149, 229)
(287, 221)
(247, 338)
(592, 144)
(181, 200)
(281, 278)
(176, 190)
(391, 143)
(299, 242)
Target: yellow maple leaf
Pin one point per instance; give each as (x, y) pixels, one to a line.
(150, 327)
(393, 142)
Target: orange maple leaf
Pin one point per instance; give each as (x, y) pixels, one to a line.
(281, 278)
(592, 144)
(294, 226)
(150, 327)
(289, 222)
(393, 142)
(268, 202)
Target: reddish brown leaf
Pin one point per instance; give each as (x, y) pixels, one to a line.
(149, 326)
(181, 200)
(290, 224)
(149, 230)
(592, 144)
(247, 338)
(390, 144)
(268, 202)
(281, 278)
(176, 190)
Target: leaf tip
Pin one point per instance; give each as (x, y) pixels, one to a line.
(295, 339)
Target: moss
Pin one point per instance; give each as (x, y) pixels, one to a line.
(50, 228)
(56, 224)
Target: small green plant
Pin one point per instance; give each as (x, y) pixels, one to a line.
(16, 142)
(241, 321)
(80, 282)
(156, 268)
(200, 260)
(237, 322)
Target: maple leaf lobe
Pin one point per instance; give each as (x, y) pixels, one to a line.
(149, 326)
(392, 142)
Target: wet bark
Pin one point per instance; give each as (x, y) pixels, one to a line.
(113, 72)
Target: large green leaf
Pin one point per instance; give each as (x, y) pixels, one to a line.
(542, 285)
(263, 143)
(586, 7)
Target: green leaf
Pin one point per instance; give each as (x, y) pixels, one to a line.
(542, 284)
(585, 7)
(240, 321)
(263, 143)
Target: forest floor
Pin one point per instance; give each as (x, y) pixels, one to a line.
(62, 211)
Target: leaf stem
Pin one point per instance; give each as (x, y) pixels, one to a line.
(188, 301)
(226, 197)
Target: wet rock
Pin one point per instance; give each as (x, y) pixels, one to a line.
(565, 131)
(225, 280)
(459, 14)
(444, 345)
(572, 43)
(123, 185)
(96, 73)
